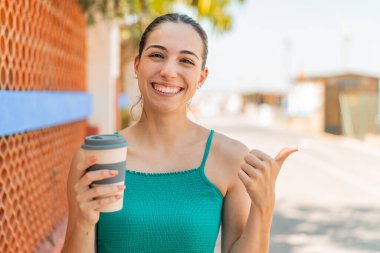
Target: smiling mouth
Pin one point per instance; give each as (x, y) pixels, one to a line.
(164, 89)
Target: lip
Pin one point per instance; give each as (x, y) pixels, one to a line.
(166, 85)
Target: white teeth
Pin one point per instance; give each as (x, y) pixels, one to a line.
(168, 90)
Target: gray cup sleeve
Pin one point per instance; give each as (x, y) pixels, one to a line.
(120, 167)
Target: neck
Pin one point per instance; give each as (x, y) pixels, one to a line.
(166, 130)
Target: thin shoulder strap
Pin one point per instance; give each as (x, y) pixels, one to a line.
(207, 150)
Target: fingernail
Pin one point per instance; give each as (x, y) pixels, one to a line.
(114, 172)
(118, 196)
(121, 187)
(93, 159)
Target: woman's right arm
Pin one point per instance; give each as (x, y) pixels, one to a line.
(84, 205)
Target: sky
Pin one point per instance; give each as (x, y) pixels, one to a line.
(272, 41)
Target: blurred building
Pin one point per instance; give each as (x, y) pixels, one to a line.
(211, 104)
(259, 107)
(274, 98)
(265, 107)
(341, 104)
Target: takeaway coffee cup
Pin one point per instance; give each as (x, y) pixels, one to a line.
(111, 153)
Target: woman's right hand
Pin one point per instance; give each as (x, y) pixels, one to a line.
(89, 199)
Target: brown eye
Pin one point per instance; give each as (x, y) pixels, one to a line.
(187, 61)
(156, 56)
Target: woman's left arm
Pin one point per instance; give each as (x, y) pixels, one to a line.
(258, 173)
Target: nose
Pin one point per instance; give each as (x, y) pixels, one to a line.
(169, 70)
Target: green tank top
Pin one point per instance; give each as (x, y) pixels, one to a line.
(170, 212)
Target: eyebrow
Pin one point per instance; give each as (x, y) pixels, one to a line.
(164, 48)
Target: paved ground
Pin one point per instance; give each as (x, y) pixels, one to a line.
(327, 193)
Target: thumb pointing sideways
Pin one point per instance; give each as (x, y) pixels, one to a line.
(283, 154)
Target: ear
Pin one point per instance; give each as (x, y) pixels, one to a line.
(136, 64)
(203, 76)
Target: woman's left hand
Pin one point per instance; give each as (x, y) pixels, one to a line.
(259, 172)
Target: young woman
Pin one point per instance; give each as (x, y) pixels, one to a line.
(182, 180)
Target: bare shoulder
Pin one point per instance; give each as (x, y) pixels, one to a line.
(229, 150)
(228, 154)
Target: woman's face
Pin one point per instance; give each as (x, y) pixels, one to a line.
(170, 67)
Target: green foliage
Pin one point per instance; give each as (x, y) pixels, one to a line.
(214, 11)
